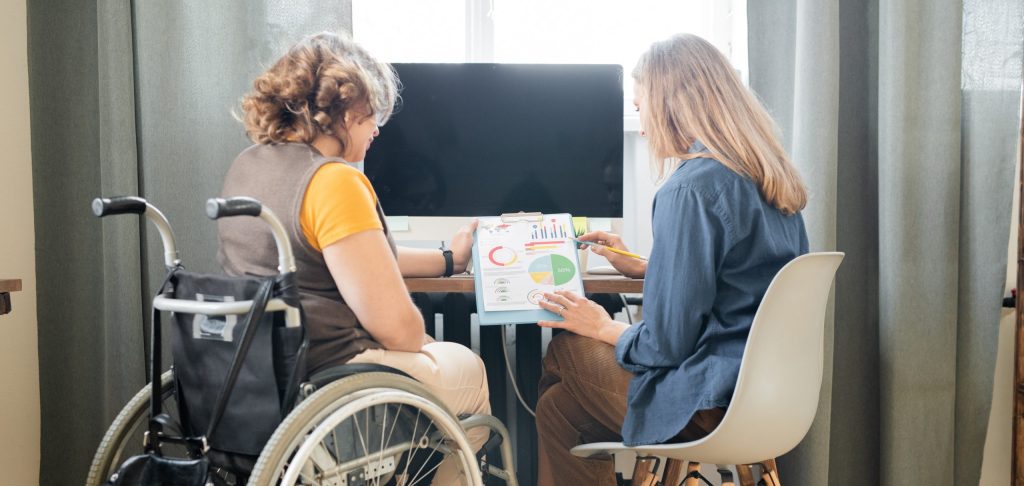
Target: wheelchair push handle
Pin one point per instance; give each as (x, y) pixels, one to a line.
(109, 206)
(218, 207)
(106, 206)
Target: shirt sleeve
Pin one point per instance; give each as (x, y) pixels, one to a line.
(339, 202)
(690, 241)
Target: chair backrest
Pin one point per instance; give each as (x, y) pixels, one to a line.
(777, 391)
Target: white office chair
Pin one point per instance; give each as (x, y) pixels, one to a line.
(777, 390)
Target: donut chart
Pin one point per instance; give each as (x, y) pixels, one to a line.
(552, 270)
(502, 256)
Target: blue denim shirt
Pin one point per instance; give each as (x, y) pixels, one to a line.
(717, 246)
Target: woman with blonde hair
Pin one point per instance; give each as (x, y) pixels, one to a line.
(310, 115)
(725, 220)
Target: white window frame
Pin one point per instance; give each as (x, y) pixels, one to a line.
(730, 17)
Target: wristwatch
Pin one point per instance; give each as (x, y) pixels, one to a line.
(449, 260)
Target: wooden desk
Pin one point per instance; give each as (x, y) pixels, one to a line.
(592, 284)
(6, 287)
(454, 298)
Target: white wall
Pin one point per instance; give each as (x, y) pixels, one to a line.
(19, 357)
(995, 466)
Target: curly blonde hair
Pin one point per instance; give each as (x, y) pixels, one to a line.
(308, 91)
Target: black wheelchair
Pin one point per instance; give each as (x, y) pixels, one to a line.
(236, 406)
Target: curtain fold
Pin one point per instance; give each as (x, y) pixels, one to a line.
(903, 118)
(88, 282)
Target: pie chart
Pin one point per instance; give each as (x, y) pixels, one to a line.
(552, 270)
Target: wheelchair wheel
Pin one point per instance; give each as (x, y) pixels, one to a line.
(124, 437)
(370, 428)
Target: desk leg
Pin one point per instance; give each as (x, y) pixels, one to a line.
(528, 367)
(456, 319)
(494, 363)
(5, 303)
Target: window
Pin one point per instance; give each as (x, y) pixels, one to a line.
(543, 31)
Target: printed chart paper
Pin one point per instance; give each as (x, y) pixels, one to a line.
(520, 260)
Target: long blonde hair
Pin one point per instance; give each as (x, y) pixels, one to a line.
(691, 93)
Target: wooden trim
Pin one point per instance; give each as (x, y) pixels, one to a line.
(6, 287)
(1017, 464)
(595, 284)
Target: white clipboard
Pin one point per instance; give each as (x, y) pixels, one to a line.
(535, 265)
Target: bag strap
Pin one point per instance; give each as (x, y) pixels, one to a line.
(156, 368)
(252, 321)
(287, 290)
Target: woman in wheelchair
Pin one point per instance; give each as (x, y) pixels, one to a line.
(312, 114)
(372, 400)
(725, 220)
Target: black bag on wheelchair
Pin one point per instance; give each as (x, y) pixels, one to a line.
(236, 376)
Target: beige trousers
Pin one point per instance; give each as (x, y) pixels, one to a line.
(454, 374)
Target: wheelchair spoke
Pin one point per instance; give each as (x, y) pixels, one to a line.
(427, 460)
(417, 479)
(380, 456)
(362, 439)
(327, 453)
(337, 453)
(412, 445)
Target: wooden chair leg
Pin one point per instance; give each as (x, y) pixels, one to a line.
(770, 473)
(673, 472)
(690, 467)
(644, 471)
(746, 474)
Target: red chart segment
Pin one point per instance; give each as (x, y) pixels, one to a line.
(502, 256)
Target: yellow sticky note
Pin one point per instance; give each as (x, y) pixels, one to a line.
(579, 225)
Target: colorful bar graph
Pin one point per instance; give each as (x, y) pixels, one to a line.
(552, 230)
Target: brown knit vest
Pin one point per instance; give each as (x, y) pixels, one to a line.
(277, 176)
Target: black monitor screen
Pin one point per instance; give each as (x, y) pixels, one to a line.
(487, 139)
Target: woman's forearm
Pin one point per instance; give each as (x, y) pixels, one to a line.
(420, 262)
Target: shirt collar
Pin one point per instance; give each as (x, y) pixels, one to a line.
(696, 146)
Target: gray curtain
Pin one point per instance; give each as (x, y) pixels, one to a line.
(130, 98)
(89, 284)
(904, 119)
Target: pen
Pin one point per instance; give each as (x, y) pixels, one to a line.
(615, 250)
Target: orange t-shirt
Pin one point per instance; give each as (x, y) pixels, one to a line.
(339, 202)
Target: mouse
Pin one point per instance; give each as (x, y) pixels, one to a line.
(603, 270)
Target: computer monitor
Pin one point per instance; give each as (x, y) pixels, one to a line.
(486, 139)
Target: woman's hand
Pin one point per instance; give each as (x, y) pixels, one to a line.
(462, 246)
(628, 266)
(581, 316)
